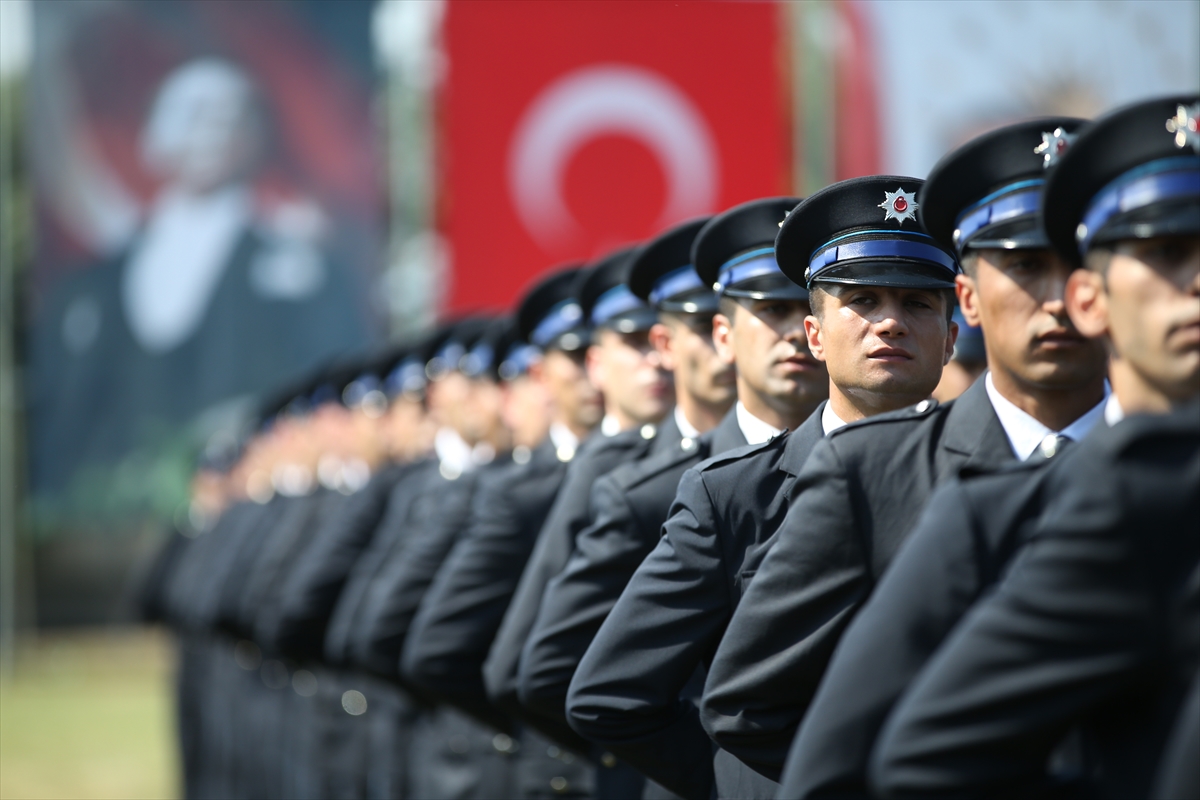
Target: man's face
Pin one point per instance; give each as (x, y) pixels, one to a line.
(484, 420)
(766, 342)
(570, 388)
(1148, 302)
(630, 373)
(1017, 297)
(883, 340)
(688, 351)
(527, 410)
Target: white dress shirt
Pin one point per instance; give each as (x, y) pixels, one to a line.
(1113, 413)
(754, 429)
(686, 428)
(1025, 433)
(830, 421)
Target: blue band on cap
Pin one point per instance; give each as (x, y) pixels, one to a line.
(408, 376)
(518, 360)
(616, 300)
(753, 264)
(1139, 187)
(674, 283)
(989, 211)
(478, 361)
(880, 248)
(558, 320)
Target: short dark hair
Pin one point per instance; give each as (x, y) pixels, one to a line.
(818, 292)
(1098, 259)
(728, 306)
(969, 261)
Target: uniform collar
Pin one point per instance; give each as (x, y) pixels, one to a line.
(754, 429)
(1025, 433)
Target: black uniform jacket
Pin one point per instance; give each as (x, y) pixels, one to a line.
(1097, 623)
(1179, 771)
(966, 535)
(450, 636)
(437, 518)
(626, 691)
(390, 534)
(631, 504)
(569, 515)
(859, 495)
(311, 589)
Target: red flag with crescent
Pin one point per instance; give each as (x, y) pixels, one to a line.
(567, 129)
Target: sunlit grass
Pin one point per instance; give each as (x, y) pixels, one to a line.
(89, 715)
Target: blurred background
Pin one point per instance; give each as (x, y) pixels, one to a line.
(202, 199)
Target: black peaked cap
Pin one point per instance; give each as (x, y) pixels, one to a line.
(544, 296)
(989, 165)
(607, 274)
(663, 255)
(1110, 147)
(741, 229)
(483, 358)
(870, 211)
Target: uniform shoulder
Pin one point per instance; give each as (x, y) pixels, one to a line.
(891, 423)
(628, 476)
(738, 456)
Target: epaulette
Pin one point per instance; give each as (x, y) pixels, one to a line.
(743, 452)
(627, 476)
(908, 414)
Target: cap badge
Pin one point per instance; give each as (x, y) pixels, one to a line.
(1054, 144)
(899, 205)
(1183, 125)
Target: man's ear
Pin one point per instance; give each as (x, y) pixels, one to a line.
(537, 371)
(723, 337)
(812, 332)
(1087, 303)
(594, 364)
(968, 298)
(662, 339)
(951, 338)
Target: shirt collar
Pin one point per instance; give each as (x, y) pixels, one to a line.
(754, 429)
(1025, 433)
(686, 428)
(1113, 413)
(830, 421)
(456, 457)
(563, 438)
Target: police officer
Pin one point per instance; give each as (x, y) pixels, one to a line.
(863, 490)
(637, 395)
(627, 693)
(459, 616)
(1112, 569)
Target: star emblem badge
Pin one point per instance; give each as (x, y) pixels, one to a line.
(899, 205)
(1054, 144)
(1183, 125)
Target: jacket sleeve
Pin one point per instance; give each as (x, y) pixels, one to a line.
(928, 587)
(783, 633)
(450, 636)
(626, 692)
(578, 599)
(1072, 624)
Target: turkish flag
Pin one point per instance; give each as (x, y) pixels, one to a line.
(567, 129)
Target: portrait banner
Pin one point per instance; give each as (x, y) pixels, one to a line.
(208, 198)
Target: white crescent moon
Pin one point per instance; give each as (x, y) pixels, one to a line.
(609, 99)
